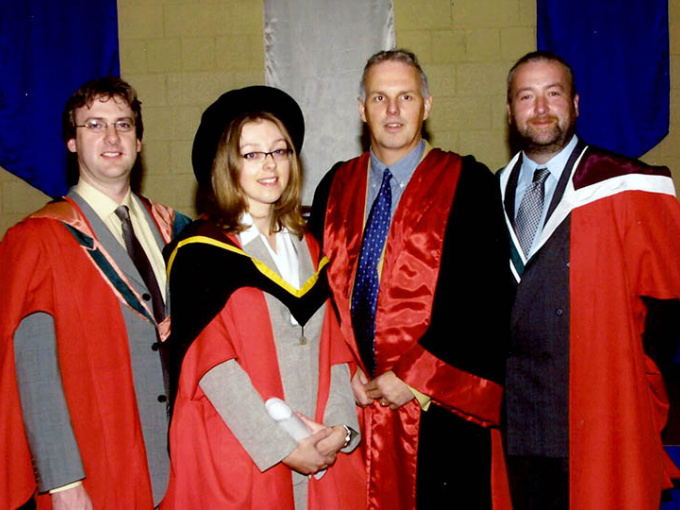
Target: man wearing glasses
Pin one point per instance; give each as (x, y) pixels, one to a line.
(83, 324)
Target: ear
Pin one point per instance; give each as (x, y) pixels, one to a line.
(507, 109)
(427, 107)
(71, 145)
(576, 100)
(362, 109)
(139, 145)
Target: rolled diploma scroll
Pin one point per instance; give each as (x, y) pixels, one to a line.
(281, 413)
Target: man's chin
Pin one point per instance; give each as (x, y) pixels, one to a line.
(530, 147)
(544, 143)
(542, 137)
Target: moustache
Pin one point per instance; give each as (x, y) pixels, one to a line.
(543, 118)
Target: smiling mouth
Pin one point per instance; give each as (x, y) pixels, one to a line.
(268, 181)
(111, 154)
(543, 121)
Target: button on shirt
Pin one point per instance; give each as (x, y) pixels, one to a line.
(105, 208)
(526, 174)
(401, 171)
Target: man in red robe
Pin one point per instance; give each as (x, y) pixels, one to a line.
(83, 415)
(416, 244)
(596, 259)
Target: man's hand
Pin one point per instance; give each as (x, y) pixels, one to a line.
(75, 498)
(391, 390)
(359, 382)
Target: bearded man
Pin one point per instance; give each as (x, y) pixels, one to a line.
(595, 244)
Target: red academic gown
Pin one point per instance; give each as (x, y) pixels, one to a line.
(209, 467)
(45, 267)
(407, 340)
(624, 245)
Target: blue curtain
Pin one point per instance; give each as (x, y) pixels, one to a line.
(48, 48)
(620, 53)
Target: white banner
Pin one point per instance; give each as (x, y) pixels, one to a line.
(316, 51)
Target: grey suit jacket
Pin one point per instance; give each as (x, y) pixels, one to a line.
(229, 389)
(44, 409)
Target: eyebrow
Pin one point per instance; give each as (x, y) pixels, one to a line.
(99, 117)
(253, 144)
(532, 87)
(382, 93)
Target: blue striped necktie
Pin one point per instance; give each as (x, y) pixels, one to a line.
(367, 281)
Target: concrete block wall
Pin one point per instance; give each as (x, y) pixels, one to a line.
(181, 54)
(466, 48)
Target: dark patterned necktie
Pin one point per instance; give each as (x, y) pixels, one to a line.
(530, 210)
(141, 261)
(367, 282)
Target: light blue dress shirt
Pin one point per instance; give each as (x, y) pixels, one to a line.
(526, 174)
(401, 171)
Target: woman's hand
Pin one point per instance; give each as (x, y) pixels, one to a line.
(330, 446)
(333, 443)
(307, 457)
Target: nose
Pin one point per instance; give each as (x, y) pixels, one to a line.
(269, 161)
(393, 106)
(541, 104)
(111, 134)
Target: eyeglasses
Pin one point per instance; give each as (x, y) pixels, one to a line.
(100, 126)
(259, 156)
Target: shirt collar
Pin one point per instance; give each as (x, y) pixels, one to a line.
(251, 232)
(403, 169)
(556, 164)
(101, 203)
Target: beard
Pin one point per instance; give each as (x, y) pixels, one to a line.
(549, 139)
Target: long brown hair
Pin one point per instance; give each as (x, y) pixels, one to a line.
(230, 202)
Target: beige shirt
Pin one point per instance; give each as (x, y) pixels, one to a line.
(105, 208)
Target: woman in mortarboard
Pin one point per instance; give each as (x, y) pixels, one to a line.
(251, 320)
